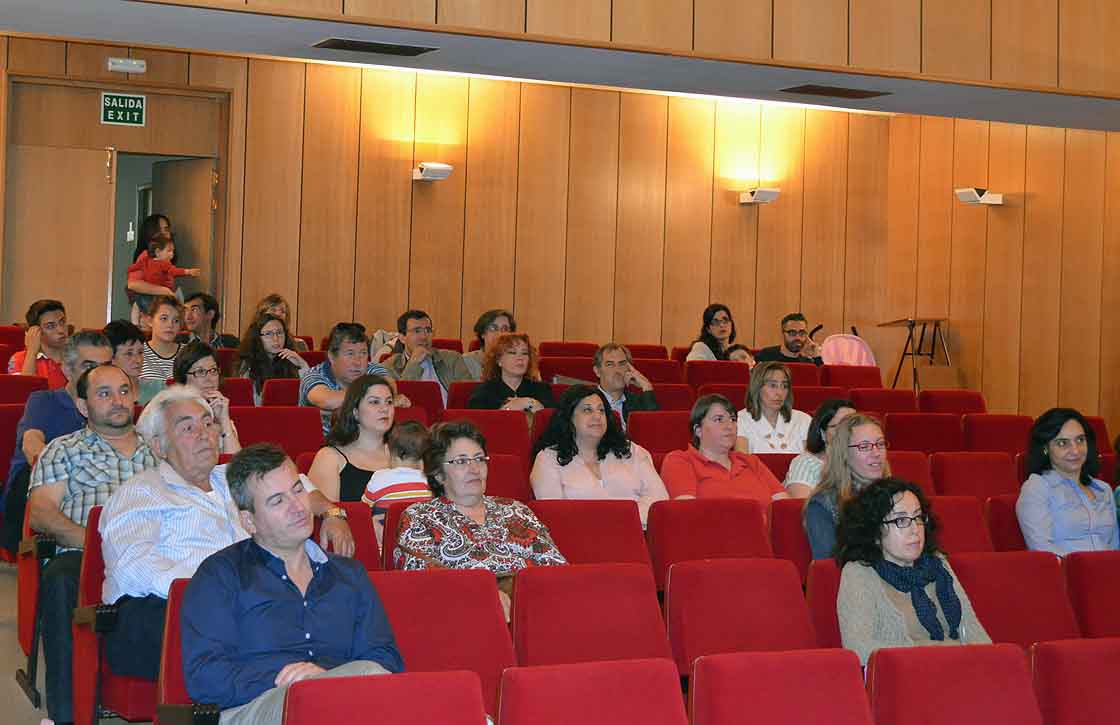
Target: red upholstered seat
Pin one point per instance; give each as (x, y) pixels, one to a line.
(6, 352)
(307, 340)
(227, 360)
(997, 432)
(712, 528)
(448, 619)
(660, 431)
(951, 401)
(314, 357)
(771, 687)
(1093, 582)
(674, 396)
(643, 691)
(679, 353)
(448, 698)
(1003, 523)
(661, 371)
(564, 348)
(16, 389)
(506, 431)
(778, 463)
(642, 351)
(1073, 680)
(13, 335)
(304, 461)
(1019, 596)
(702, 372)
(413, 413)
(809, 397)
(1097, 423)
(735, 605)
(594, 532)
(10, 413)
(506, 477)
(929, 432)
(884, 400)
(360, 519)
(448, 343)
(852, 376)
(736, 393)
(171, 687)
(280, 391)
(912, 466)
(804, 374)
(968, 685)
(821, 589)
(295, 429)
(962, 524)
(787, 534)
(460, 393)
(541, 419)
(27, 587)
(1107, 472)
(423, 394)
(586, 613)
(579, 368)
(967, 473)
(238, 390)
(389, 538)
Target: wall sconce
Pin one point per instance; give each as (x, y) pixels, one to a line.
(431, 171)
(759, 196)
(975, 195)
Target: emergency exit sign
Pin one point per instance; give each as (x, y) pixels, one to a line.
(123, 109)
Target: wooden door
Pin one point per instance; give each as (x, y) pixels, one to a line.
(58, 234)
(184, 191)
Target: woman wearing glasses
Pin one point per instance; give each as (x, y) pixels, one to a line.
(491, 324)
(1063, 507)
(856, 456)
(196, 366)
(768, 423)
(268, 351)
(805, 471)
(717, 331)
(896, 588)
(462, 527)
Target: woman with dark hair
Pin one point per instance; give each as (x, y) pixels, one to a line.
(196, 366)
(154, 225)
(768, 423)
(510, 377)
(268, 351)
(896, 588)
(356, 444)
(277, 306)
(585, 454)
(1063, 507)
(805, 471)
(490, 325)
(716, 332)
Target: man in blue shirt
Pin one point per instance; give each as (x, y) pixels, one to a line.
(275, 609)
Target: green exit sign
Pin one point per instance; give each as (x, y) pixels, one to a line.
(123, 109)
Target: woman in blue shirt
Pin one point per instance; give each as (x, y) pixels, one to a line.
(1062, 506)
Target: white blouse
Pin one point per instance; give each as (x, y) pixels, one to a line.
(785, 437)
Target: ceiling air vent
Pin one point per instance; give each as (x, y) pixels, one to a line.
(365, 46)
(834, 91)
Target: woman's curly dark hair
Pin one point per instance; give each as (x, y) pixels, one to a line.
(860, 530)
(255, 363)
(561, 433)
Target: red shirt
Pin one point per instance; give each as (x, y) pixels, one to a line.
(44, 367)
(690, 473)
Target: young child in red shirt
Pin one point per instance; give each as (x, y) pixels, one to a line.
(156, 266)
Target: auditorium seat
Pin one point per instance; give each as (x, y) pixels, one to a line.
(1093, 582)
(1019, 596)
(594, 532)
(962, 528)
(712, 528)
(579, 368)
(448, 619)
(14, 335)
(415, 413)
(1073, 680)
(541, 420)
(642, 351)
(1107, 472)
(10, 414)
(459, 393)
(448, 698)
(928, 432)
(997, 432)
(736, 393)
(16, 389)
(673, 396)
(448, 343)
(280, 391)
(564, 348)
(778, 463)
(883, 400)
(803, 375)
(660, 371)
(238, 390)
(822, 587)
(643, 691)
(360, 520)
(505, 477)
(506, 431)
(558, 390)
(307, 340)
(227, 360)
(314, 357)
(1003, 523)
(586, 613)
(294, 429)
(809, 397)
(679, 354)
(912, 466)
(424, 394)
(771, 686)
(660, 431)
(967, 473)
(34, 550)
(172, 698)
(702, 372)
(715, 606)
(852, 376)
(951, 401)
(389, 539)
(787, 534)
(304, 460)
(1097, 423)
(967, 685)
(6, 352)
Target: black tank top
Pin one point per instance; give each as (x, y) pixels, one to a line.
(351, 480)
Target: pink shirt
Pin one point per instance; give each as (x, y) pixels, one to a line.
(689, 473)
(631, 479)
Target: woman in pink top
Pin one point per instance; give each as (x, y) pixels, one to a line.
(711, 468)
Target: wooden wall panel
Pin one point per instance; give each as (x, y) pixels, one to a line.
(956, 39)
(165, 67)
(589, 276)
(436, 261)
(886, 35)
(312, 6)
(666, 24)
(385, 188)
(779, 223)
(273, 170)
(811, 31)
(408, 11)
(328, 213)
(1025, 42)
(1088, 30)
(1042, 252)
(901, 255)
(688, 215)
(37, 57)
(542, 210)
(733, 27)
(493, 127)
(90, 62)
(824, 224)
(935, 215)
(1110, 294)
(3, 146)
(1003, 278)
(968, 254)
(734, 226)
(1082, 250)
(507, 16)
(640, 245)
(580, 19)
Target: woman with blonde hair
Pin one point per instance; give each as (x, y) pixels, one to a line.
(277, 306)
(768, 423)
(510, 377)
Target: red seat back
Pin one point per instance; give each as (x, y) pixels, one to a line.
(884, 400)
(541, 419)
(996, 432)
(641, 351)
(703, 372)
(1074, 679)
(13, 335)
(852, 376)
(314, 357)
(307, 340)
(389, 537)
(912, 466)
(10, 414)
(569, 367)
(6, 352)
(951, 401)
(564, 348)
(594, 532)
(973, 474)
(660, 431)
(821, 589)
(360, 519)
(778, 463)
(304, 461)
(661, 371)
(809, 397)
(674, 396)
(27, 589)
(506, 477)
(736, 393)
(462, 601)
(227, 360)
(459, 394)
(586, 613)
(1097, 423)
(735, 605)
(238, 390)
(804, 375)
(280, 391)
(1093, 581)
(448, 343)
(423, 394)
(679, 354)
(928, 432)
(712, 528)
(417, 414)
(787, 534)
(1003, 523)
(295, 429)
(1107, 472)
(506, 431)
(16, 389)
(961, 519)
(171, 687)
(448, 698)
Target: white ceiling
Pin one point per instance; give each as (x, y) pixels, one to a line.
(125, 22)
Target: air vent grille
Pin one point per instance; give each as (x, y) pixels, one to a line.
(834, 91)
(365, 46)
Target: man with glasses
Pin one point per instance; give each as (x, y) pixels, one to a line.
(796, 346)
(44, 342)
(420, 360)
(200, 316)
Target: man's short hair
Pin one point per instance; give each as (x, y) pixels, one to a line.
(209, 304)
(251, 462)
(407, 440)
(120, 332)
(402, 321)
(39, 308)
(597, 361)
(90, 338)
(82, 386)
(794, 317)
(346, 332)
(153, 422)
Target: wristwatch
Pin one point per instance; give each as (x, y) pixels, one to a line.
(335, 512)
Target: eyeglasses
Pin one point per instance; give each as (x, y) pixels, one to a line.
(204, 373)
(465, 461)
(866, 446)
(274, 333)
(721, 321)
(498, 328)
(777, 384)
(795, 333)
(904, 522)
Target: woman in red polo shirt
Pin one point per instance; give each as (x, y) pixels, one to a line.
(711, 468)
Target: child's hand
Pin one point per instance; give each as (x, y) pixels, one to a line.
(193, 272)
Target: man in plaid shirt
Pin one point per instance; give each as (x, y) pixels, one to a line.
(74, 473)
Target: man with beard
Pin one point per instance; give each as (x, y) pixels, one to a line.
(796, 346)
(74, 473)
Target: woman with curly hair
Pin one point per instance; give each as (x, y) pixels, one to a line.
(585, 454)
(268, 351)
(510, 378)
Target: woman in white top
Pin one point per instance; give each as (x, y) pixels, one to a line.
(805, 471)
(716, 333)
(768, 423)
(585, 454)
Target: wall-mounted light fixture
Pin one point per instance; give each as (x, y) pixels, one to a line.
(431, 171)
(975, 195)
(759, 196)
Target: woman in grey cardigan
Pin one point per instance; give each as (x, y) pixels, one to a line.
(896, 588)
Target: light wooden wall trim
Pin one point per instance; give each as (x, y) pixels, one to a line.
(3, 147)
(733, 27)
(90, 62)
(333, 7)
(825, 217)
(956, 39)
(164, 67)
(1025, 42)
(935, 216)
(902, 225)
(1110, 294)
(588, 20)
(1088, 30)
(811, 31)
(507, 16)
(31, 56)
(886, 34)
(411, 11)
(665, 24)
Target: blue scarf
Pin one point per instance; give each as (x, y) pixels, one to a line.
(912, 580)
